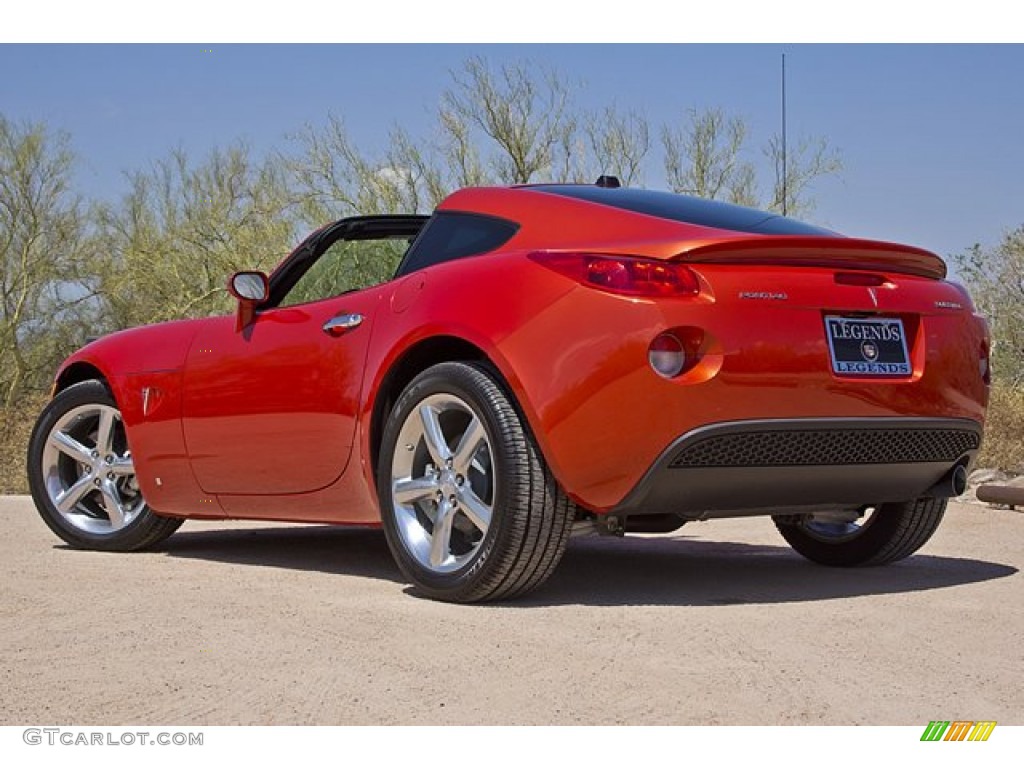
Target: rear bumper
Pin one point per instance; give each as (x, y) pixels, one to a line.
(776, 466)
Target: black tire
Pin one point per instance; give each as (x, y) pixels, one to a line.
(891, 532)
(77, 413)
(530, 517)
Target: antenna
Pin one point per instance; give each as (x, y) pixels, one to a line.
(785, 166)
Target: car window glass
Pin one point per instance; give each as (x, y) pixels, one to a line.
(452, 235)
(348, 265)
(691, 210)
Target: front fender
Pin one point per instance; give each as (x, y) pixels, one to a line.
(143, 369)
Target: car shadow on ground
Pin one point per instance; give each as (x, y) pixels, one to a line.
(697, 572)
(676, 570)
(324, 548)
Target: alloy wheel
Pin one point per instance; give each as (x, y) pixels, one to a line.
(443, 483)
(88, 471)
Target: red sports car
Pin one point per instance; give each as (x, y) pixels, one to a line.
(533, 362)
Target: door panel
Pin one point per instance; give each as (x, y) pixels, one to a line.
(272, 409)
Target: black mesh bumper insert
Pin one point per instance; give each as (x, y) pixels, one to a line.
(827, 447)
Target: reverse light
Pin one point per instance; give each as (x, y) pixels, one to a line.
(627, 275)
(666, 355)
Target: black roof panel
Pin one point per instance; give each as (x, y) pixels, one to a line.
(691, 210)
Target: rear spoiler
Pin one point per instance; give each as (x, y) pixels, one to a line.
(812, 251)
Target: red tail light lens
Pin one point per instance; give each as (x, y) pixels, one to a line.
(623, 274)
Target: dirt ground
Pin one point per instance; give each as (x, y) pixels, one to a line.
(236, 623)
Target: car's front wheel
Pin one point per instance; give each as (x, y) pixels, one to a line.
(470, 509)
(82, 476)
(873, 536)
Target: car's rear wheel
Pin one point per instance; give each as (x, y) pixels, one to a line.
(470, 509)
(82, 476)
(871, 536)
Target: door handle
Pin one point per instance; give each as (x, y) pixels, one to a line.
(341, 324)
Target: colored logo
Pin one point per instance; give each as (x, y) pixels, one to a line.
(958, 730)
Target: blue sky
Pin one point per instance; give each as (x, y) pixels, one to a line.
(930, 135)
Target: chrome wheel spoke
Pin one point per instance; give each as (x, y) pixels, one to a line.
(112, 504)
(409, 491)
(105, 432)
(67, 445)
(476, 510)
(468, 445)
(441, 537)
(433, 436)
(122, 466)
(66, 500)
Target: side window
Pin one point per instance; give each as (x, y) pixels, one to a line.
(348, 265)
(451, 235)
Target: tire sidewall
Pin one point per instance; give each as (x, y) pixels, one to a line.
(856, 550)
(866, 548)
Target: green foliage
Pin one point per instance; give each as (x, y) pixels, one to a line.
(348, 265)
(47, 284)
(171, 243)
(524, 111)
(704, 156)
(519, 123)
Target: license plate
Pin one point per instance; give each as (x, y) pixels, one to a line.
(867, 347)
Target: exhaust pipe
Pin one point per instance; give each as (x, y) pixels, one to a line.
(953, 483)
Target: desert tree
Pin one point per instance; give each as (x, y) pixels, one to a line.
(330, 176)
(704, 156)
(707, 156)
(995, 278)
(170, 243)
(806, 161)
(45, 287)
(520, 115)
(619, 143)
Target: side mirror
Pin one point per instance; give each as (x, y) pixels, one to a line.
(249, 286)
(251, 289)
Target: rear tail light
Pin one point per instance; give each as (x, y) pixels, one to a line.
(666, 355)
(623, 274)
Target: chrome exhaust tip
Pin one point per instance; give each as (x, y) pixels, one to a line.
(953, 484)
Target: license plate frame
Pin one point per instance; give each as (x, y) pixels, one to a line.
(867, 346)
